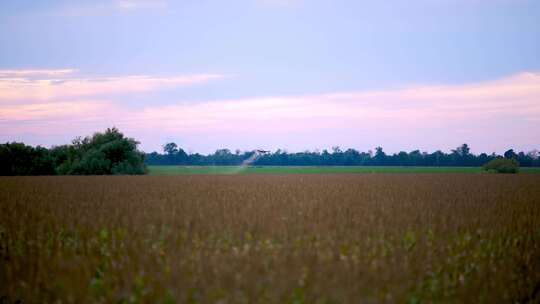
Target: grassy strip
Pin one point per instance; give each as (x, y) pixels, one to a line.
(179, 170)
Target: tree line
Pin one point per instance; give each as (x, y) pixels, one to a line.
(104, 153)
(461, 156)
(111, 152)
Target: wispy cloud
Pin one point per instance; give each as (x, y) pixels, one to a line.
(35, 73)
(98, 8)
(55, 85)
(482, 114)
(45, 112)
(140, 4)
(421, 106)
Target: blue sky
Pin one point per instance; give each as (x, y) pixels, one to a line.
(276, 56)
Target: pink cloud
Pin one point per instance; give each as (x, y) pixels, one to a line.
(519, 95)
(50, 86)
(490, 115)
(35, 73)
(45, 112)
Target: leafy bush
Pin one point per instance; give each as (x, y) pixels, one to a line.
(502, 165)
(102, 154)
(20, 159)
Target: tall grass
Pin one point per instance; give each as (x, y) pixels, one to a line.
(271, 239)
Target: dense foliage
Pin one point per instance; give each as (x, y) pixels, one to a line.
(503, 165)
(113, 153)
(460, 156)
(369, 238)
(20, 159)
(100, 154)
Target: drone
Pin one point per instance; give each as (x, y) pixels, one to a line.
(263, 151)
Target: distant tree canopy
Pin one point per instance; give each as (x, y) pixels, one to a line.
(461, 156)
(100, 154)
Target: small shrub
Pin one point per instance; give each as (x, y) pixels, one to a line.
(502, 165)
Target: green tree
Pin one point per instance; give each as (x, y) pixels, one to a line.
(462, 151)
(380, 156)
(170, 148)
(20, 159)
(510, 154)
(102, 153)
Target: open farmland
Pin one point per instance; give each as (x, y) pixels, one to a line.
(180, 170)
(271, 238)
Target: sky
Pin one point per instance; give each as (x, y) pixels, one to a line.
(267, 74)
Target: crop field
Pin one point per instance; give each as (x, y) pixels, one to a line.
(180, 170)
(318, 238)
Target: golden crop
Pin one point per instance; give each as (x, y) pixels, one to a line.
(271, 239)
